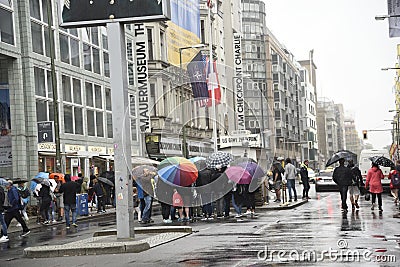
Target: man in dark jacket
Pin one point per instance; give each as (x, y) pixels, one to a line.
(342, 176)
(69, 190)
(305, 179)
(4, 237)
(14, 210)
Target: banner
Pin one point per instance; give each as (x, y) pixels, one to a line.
(5, 123)
(394, 22)
(183, 30)
(84, 13)
(238, 81)
(142, 76)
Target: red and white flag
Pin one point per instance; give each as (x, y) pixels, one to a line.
(209, 3)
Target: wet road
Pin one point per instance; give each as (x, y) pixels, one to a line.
(314, 234)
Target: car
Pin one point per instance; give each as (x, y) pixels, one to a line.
(324, 181)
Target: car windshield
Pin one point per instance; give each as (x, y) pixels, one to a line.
(325, 174)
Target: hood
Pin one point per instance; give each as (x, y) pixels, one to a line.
(86, 179)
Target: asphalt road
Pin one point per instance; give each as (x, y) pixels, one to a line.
(314, 234)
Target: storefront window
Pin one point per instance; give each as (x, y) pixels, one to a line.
(6, 27)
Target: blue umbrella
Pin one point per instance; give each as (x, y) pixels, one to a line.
(195, 159)
(3, 182)
(42, 175)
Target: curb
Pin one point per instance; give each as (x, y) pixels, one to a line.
(149, 230)
(283, 206)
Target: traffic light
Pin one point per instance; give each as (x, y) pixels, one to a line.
(365, 134)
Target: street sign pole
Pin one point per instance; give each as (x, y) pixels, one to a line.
(121, 130)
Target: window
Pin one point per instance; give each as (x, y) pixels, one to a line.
(108, 99)
(77, 91)
(64, 48)
(78, 120)
(87, 57)
(89, 94)
(40, 82)
(150, 43)
(37, 38)
(109, 126)
(90, 123)
(98, 96)
(106, 64)
(66, 85)
(6, 24)
(99, 124)
(68, 121)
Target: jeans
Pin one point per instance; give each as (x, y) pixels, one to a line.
(343, 195)
(291, 185)
(67, 208)
(3, 224)
(237, 207)
(147, 208)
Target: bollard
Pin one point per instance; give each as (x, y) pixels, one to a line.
(284, 193)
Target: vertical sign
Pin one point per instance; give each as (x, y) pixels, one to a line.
(394, 22)
(238, 81)
(45, 131)
(142, 76)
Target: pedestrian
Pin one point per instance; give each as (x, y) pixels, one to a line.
(100, 195)
(277, 180)
(290, 176)
(25, 194)
(148, 193)
(177, 202)
(305, 179)
(205, 178)
(44, 193)
(4, 237)
(164, 195)
(354, 188)
(239, 199)
(13, 211)
(59, 200)
(69, 188)
(85, 185)
(218, 194)
(136, 202)
(394, 177)
(342, 176)
(374, 177)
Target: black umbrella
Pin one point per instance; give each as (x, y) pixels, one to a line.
(382, 161)
(341, 154)
(105, 180)
(278, 165)
(19, 180)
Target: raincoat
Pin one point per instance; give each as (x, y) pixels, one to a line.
(374, 177)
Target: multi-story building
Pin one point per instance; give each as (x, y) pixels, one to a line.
(339, 111)
(353, 141)
(327, 129)
(80, 88)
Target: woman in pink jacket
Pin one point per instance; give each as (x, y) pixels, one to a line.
(374, 177)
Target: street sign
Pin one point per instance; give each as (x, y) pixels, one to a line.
(45, 132)
(87, 13)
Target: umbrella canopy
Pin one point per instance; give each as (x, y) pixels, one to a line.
(178, 171)
(105, 181)
(144, 173)
(253, 168)
(110, 175)
(141, 161)
(42, 175)
(195, 159)
(3, 182)
(278, 165)
(382, 161)
(219, 159)
(45, 182)
(19, 180)
(341, 154)
(57, 176)
(238, 175)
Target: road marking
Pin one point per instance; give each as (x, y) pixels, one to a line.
(261, 230)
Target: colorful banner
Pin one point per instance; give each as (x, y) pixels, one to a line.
(5, 123)
(183, 30)
(394, 22)
(197, 74)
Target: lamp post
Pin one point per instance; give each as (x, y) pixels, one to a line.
(184, 147)
(383, 17)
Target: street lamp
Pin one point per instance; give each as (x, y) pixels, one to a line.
(383, 17)
(184, 148)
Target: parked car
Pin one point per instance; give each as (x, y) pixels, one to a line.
(324, 181)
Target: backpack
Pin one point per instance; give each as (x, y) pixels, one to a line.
(24, 193)
(395, 179)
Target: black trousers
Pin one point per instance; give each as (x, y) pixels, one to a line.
(374, 195)
(9, 215)
(343, 195)
(165, 210)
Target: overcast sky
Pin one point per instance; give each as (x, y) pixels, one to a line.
(350, 48)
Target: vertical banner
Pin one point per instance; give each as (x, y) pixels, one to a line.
(142, 76)
(5, 123)
(238, 81)
(394, 22)
(183, 29)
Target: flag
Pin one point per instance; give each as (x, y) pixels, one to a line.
(213, 84)
(209, 3)
(197, 76)
(79, 165)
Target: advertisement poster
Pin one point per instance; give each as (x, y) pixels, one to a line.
(5, 123)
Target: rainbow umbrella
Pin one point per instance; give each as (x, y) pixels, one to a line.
(238, 175)
(178, 171)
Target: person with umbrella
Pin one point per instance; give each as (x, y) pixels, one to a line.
(304, 179)
(373, 181)
(25, 195)
(45, 196)
(205, 178)
(342, 176)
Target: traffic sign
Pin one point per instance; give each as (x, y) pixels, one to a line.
(45, 132)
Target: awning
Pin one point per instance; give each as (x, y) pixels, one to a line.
(135, 160)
